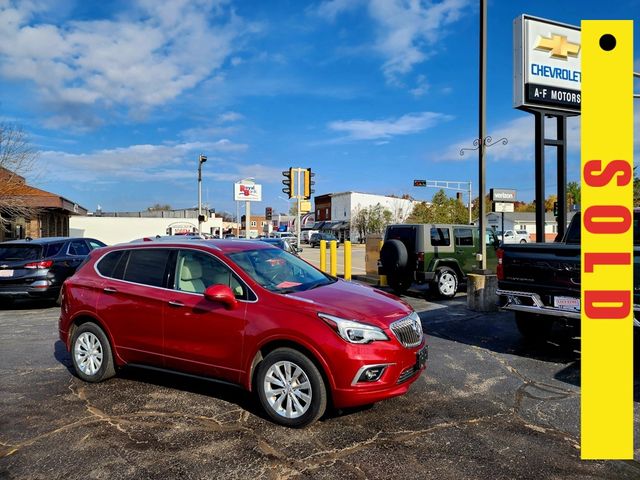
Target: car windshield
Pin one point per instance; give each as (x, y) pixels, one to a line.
(279, 271)
(20, 252)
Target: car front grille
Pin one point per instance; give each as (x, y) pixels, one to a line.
(408, 330)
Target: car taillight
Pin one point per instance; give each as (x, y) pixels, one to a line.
(38, 265)
(500, 266)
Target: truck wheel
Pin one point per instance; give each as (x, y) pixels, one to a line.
(394, 256)
(399, 284)
(534, 327)
(523, 241)
(445, 283)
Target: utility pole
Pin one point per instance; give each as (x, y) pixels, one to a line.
(201, 160)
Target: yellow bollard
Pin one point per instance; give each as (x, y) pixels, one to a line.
(333, 258)
(383, 278)
(347, 260)
(323, 255)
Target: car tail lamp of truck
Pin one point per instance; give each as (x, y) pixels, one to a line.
(39, 265)
(420, 262)
(500, 266)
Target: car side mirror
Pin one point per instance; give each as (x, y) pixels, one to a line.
(221, 294)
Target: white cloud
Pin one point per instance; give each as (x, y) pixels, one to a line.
(137, 162)
(421, 88)
(229, 117)
(519, 133)
(387, 128)
(143, 58)
(407, 31)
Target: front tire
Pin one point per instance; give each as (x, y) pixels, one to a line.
(445, 282)
(290, 388)
(91, 353)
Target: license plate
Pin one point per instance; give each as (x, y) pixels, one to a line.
(6, 273)
(567, 303)
(421, 357)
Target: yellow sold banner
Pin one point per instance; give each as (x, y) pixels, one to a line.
(607, 240)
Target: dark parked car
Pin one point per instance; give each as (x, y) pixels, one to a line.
(245, 313)
(36, 268)
(315, 239)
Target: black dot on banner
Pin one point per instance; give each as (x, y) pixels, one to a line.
(607, 42)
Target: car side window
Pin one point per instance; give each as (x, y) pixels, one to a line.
(53, 249)
(78, 247)
(464, 237)
(195, 271)
(112, 264)
(93, 244)
(147, 266)
(440, 237)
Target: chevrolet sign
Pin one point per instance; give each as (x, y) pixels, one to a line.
(547, 65)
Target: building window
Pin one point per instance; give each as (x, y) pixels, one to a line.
(253, 223)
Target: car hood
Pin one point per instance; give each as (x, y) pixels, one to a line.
(354, 301)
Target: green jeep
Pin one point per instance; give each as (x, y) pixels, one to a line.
(440, 255)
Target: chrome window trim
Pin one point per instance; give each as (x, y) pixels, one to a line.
(95, 268)
(355, 382)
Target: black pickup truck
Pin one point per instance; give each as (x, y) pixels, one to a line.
(540, 282)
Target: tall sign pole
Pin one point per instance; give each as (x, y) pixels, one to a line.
(482, 255)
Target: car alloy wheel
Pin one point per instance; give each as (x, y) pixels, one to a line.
(91, 353)
(88, 353)
(288, 389)
(291, 388)
(446, 282)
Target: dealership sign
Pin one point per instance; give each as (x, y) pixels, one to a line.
(247, 191)
(547, 65)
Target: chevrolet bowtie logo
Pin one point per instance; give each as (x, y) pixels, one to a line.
(558, 46)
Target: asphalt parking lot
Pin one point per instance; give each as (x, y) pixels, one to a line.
(488, 407)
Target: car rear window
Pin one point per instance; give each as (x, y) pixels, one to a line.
(148, 267)
(17, 252)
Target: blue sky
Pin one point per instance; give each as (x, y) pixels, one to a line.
(121, 97)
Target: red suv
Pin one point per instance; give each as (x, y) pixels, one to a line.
(244, 313)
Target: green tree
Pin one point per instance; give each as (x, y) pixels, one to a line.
(636, 189)
(573, 193)
(159, 207)
(443, 209)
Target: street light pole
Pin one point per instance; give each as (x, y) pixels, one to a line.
(201, 160)
(482, 261)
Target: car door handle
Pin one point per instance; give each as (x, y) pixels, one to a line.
(173, 303)
(109, 290)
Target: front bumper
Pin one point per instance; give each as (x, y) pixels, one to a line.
(401, 370)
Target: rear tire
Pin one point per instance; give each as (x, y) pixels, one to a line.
(532, 327)
(445, 283)
(290, 388)
(523, 241)
(91, 353)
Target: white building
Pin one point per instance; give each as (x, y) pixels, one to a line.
(526, 221)
(112, 230)
(339, 208)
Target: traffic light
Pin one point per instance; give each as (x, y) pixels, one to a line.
(268, 213)
(308, 182)
(289, 182)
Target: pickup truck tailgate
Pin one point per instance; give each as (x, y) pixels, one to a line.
(545, 268)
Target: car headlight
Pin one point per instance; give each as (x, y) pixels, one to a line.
(352, 331)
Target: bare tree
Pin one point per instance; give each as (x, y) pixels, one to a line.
(17, 158)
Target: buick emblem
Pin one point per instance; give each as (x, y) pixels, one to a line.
(417, 327)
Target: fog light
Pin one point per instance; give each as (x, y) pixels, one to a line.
(372, 374)
(40, 284)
